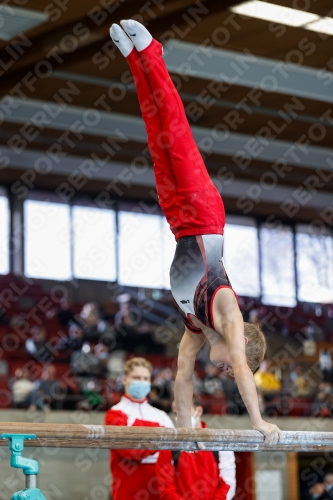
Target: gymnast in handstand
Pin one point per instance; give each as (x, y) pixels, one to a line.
(194, 209)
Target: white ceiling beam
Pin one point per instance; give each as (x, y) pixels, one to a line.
(98, 81)
(103, 124)
(248, 70)
(124, 174)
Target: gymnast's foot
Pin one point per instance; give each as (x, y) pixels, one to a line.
(139, 35)
(122, 41)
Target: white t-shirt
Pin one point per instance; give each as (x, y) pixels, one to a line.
(21, 389)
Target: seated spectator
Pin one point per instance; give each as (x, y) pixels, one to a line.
(10, 320)
(73, 341)
(165, 381)
(94, 328)
(110, 308)
(229, 386)
(93, 398)
(317, 491)
(157, 401)
(4, 319)
(254, 318)
(188, 475)
(37, 345)
(328, 483)
(325, 363)
(90, 314)
(295, 373)
(46, 391)
(101, 352)
(132, 332)
(125, 315)
(87, 362)
(265, 380)
(318, 404)
(161, 393)
(268, 386)
(65, 315)
(21, 388)
(300, 387)
(211, 382)
(115, 363)
(326, 388)
(323, 403)
(3, 368)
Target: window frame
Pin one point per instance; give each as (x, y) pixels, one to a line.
(284, 227)
(88, 204)
(244, 221)
(304, 228)
(150, 208)
(55, 200)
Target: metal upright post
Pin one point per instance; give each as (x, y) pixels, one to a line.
(29, 467)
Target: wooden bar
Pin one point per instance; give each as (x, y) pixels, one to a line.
(157, 438)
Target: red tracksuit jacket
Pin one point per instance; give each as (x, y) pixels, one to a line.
(134, 471)
(197, 476)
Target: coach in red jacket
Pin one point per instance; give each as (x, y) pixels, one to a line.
(201, 475)
(134, 471)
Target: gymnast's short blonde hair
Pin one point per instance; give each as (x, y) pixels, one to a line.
(256, 347)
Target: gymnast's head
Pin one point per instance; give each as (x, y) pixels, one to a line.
(255, 345)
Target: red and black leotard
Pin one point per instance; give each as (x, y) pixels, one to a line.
(197, 273)
(190, 202)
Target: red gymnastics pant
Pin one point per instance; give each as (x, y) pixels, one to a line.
(189, 200)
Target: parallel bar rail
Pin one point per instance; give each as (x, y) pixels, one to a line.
(156, 438)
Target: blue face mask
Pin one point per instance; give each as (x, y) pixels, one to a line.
(315, 496)
(139, 389)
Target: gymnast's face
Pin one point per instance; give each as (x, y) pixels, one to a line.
(227, 369)
(139, 373)
(220, 357)
(225, 366)
(221, 360)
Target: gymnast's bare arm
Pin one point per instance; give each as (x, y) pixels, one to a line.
(230, 322)
(189, 347)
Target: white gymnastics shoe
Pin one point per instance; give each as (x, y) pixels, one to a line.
(122, 41)
(139, 35)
